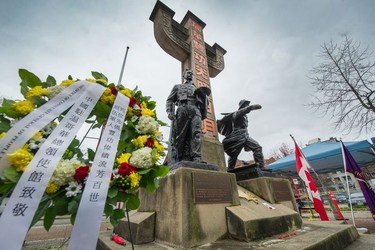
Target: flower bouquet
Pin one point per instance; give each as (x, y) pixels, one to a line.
(137, 157)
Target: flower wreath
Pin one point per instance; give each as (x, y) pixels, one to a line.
(137, 159)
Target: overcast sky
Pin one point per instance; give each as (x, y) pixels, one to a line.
(271, 46)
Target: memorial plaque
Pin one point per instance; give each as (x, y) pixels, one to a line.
(212, 188)
(281, 191)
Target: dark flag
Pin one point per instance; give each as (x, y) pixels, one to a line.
(352, 167)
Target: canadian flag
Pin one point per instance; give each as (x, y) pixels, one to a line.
(303, 171)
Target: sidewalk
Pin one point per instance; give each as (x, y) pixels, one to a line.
(58, 235)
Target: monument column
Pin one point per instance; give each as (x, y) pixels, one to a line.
(185, 42)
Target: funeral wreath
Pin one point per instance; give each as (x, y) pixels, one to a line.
(137, 160)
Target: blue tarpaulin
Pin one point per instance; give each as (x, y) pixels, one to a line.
(325, 157)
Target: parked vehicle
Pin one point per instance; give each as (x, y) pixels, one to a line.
(357, 199)
(341, 198)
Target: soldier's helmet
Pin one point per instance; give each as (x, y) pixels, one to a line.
(243, 103)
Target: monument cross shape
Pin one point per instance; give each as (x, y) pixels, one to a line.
(185, 42)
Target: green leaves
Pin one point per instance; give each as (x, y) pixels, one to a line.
(11, 174)
(28, 80)
(4, 124)
(133, 202)
(7, 109)
(98, 75)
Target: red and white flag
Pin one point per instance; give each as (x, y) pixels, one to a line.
(303, 171)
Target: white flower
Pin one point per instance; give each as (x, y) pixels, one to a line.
(141, 158)
(64, 172)
(13, 122)
(134, 118)
(136, 107)
(54, 90)
(47, 130)
(36, 143)
(73, 189)
(147, 125)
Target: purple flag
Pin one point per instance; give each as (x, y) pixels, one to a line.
(352, 167)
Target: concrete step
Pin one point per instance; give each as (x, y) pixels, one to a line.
(313, 235)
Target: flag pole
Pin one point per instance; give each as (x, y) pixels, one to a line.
(322, 211)
(316, 174)
(123, 65)
(119, 82)
(347, 184)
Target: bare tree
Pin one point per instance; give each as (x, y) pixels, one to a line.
(281, 151)
(344, 86)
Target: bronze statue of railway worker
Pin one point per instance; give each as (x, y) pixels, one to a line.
(186, 128)
(234, 127)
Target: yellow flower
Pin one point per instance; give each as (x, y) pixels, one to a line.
(90, 80)
(140, 141)
(67, 83)
(144, 105)
(37, 135)
(134, 179)
(23, 107)
(127, 92)
(51, 188)
(159, 147)
(108, 97)
(155, 157)
(124, 158)
(130, 113)
(20, 159)
(36, 91)
(102, 81)
(2, 135)
(148, 112)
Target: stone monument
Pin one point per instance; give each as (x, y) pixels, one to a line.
(185, 42)
(193, 207)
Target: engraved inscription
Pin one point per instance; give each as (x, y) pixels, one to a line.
(212, 188)
(281, 191)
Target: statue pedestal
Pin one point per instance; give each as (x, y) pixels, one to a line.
(193, 207)
(250, 172)
(190, 208)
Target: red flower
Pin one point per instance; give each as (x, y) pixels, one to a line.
(150, 142)
(119, 240)
(113, 90)
(81, 173)
(132, 101)
(126, 169)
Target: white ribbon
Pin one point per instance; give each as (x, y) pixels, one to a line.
(26, 128)
(90, 212)
(22, 205)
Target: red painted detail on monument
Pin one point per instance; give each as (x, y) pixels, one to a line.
(197, 45)
(209, 127)
(196, 26)
(198, 35)
(209, 107)
(200, 83)
(202, 72)
(200, 58)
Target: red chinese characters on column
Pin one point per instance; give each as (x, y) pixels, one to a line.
(202, 72)
(198, 46)
(196, 26)
(209, 127)
(201, 59)
(201, 83)
(198, 35)
(209, 107)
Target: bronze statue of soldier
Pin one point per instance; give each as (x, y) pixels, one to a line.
(186, 128)
(234, 127)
